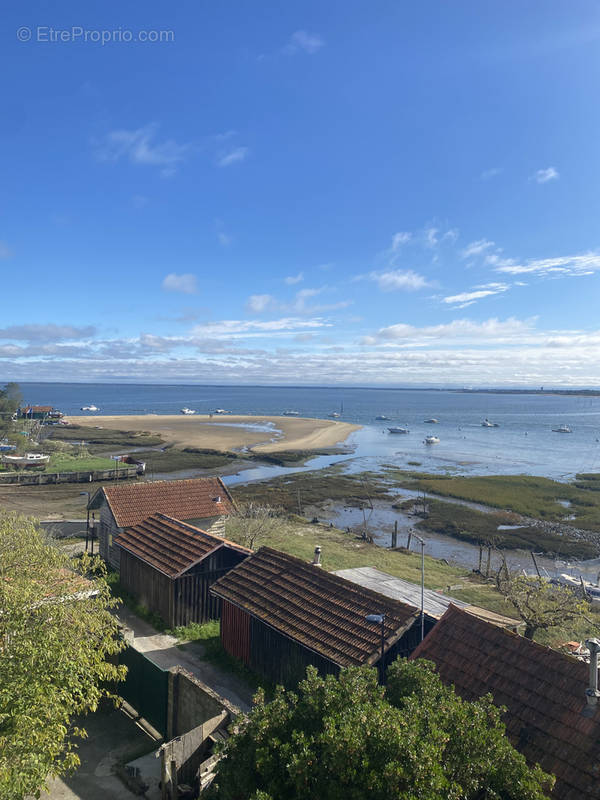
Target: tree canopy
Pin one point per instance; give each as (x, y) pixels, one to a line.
(540, 604)
(10, 400)
(347, 738)
(56, 631)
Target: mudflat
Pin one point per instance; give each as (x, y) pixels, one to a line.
(231, 432)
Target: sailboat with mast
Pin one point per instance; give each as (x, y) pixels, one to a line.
(337, 414)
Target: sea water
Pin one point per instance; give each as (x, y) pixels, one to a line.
(524, 441)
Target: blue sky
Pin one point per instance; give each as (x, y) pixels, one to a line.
(382, 193)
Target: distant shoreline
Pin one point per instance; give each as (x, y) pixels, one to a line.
(579, 392)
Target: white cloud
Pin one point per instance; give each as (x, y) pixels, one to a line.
(292, 279)
(235, 156)
(260, 302)
(400, 238)
(488, 174)
(398, 279)
(45, 333)
(140, 146)
(228, 327)
(545, 175)
(585, 264)
(458, 331)
(303, 42)
(186, 283)
(5, 251)
(468, 298)
(476, 248)
(434, 236)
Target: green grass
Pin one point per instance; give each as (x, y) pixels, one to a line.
(208, 634)
(104, 436)
(172, 459)
(293, 493)
(62, 462)
(525, 494)
(342, 550)
(478, 527)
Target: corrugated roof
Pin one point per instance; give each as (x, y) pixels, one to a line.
(169, 545)
(196, 498)
(319, 610)
(543, 691)
(436, 603)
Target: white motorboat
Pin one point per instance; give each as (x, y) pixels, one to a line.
(90, 408)
(334, 415)
(29, 459)
(562, 429)
(220, 411)
(381, 416)
(397, 429)
(290, 413)
(489, 424)
(432, 421)
(431, 440)
(187, 411)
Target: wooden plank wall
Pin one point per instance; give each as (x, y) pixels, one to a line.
(235, 631)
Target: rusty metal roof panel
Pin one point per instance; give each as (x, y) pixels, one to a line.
(169, 545)
(542, 689)
(319, 610)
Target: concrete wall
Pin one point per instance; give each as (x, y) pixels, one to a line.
(191, 703)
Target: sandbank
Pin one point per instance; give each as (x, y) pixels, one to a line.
(227, 432)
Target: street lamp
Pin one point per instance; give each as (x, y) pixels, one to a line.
(422, 543)
(87, 524)
(379, 619)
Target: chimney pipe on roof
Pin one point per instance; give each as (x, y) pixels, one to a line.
(592, 692)
(317, 559)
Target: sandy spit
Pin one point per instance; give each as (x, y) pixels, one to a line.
(220, 432)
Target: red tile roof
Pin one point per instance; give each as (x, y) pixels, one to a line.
(319, 610)
(37, 409)
(543, 691)
(197, 498)
(170, 546)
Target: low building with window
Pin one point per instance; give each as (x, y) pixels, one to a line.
(203, 502)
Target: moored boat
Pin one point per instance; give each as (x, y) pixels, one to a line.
(27, 460)
(431, 440)
(381, 416)
(90, 408)
(562, 429)
(397, 429)
(432, 421)
(290, 413)
(489, 424)
(187, 411)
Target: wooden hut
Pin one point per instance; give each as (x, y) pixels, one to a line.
(550, 705)
(169, 566)
(280, 614)
(204, 502)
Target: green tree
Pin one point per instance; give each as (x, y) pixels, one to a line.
(10, 400)
(540, 604)
(56, 631)
(347, 738)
